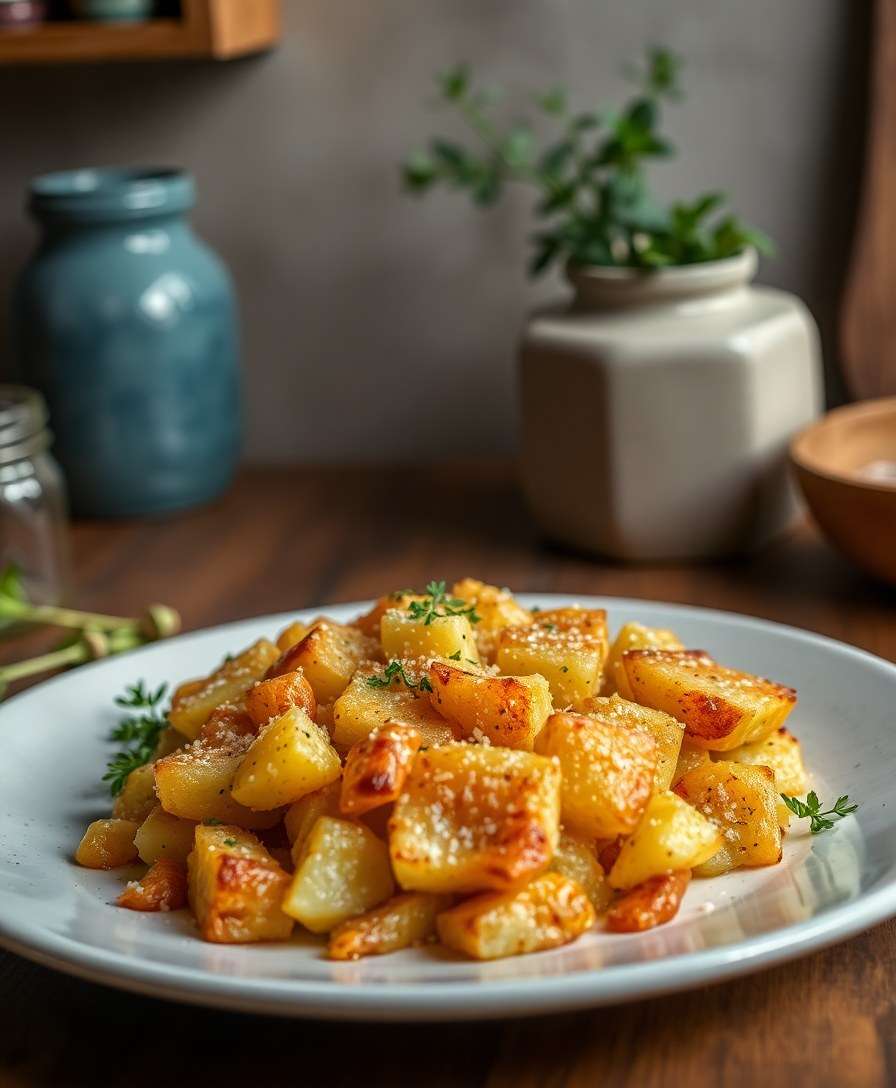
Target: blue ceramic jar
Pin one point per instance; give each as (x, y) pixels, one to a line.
(126, 322)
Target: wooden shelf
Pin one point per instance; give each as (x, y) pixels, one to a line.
(218, 29)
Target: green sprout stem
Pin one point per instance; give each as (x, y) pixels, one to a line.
(64, 617)
(92, 645)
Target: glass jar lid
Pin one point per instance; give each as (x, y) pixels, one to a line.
(23, 423)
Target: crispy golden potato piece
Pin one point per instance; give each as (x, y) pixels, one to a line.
(270, 698)
(473, 818)
(402, 636)
(665, 730)
(194, 783)
(721, 708)
(505, 710)
(227, 724)
(292, 634)
(163, 888)
(634, 636)
(138, 798)
(649, 904)
(235, 887)
(497, 610)
(342, 871)
(608, 772)
(371, 700)
(290, 757)
(672, 835)
(401, 922)
(169, 741)
(369, 622)
(549, 911)
(576, 859)
(689, 758)
(328, 655)
(193, 702)
(162, 835)
(376, 768)
(301, 817)
(107, 844)
(743, 802)
(782, 752)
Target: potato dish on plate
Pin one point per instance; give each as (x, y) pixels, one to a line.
(449, 767)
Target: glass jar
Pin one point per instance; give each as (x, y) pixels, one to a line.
(32, 497)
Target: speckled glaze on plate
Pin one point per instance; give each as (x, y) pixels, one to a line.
(827, 888)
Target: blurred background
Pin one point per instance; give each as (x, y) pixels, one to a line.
(366, 313)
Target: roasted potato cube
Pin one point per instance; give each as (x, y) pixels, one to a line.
(402, 921)
(290, 757)
(665, 730)
(227, 724)
(235, 887)
(634, 636)
(473, 817)
(549, 911)
(576, 859)
(369, 622)
(162, 835)
(782, 752)
(270, 698)
(505, 710)
(194, 783)
(497, 610)
(671, 836)
(193, 702)
(169, 741)
(292, 634)
(138, 798)
(608, 772)
(367, 704)
(107, 844)
(343, 870)
(328, 655)
(720, 707)
(376, 768)
(301, 817)
(649, 904)
(689, 758)
(402, 636)
(743, 802)
(163, 888)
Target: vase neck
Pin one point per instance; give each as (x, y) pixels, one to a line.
(604, 288)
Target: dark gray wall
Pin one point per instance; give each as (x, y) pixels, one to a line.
(380, 327)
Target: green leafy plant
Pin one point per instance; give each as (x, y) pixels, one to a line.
(821, 819)
(92, 635)
(437, 604)
(593, 197)
(138, 731)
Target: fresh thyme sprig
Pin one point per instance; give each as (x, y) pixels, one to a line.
(821, 819)
(139, 732)
(438, 604)
(395, 670)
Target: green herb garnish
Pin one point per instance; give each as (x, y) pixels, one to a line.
(395, 671)
(139, 732)
(455, 656)
(230, 842)
(822, 819)
(437, 605)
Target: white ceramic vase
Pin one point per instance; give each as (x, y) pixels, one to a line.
(657, 408)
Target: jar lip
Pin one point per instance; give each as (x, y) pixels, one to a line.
(110, 193)
(23, 423)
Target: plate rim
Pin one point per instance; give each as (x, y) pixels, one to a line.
(450, 1000)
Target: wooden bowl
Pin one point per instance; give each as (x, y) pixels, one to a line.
(855, 508)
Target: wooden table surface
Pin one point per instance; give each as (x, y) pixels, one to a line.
(288, 539)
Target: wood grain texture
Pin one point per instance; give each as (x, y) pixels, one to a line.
(868, 319)
(288, 539)
(207, 28)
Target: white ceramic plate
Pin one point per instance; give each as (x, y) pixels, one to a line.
(827, 887)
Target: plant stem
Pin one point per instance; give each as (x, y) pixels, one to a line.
(70, 617)
(56, 659)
